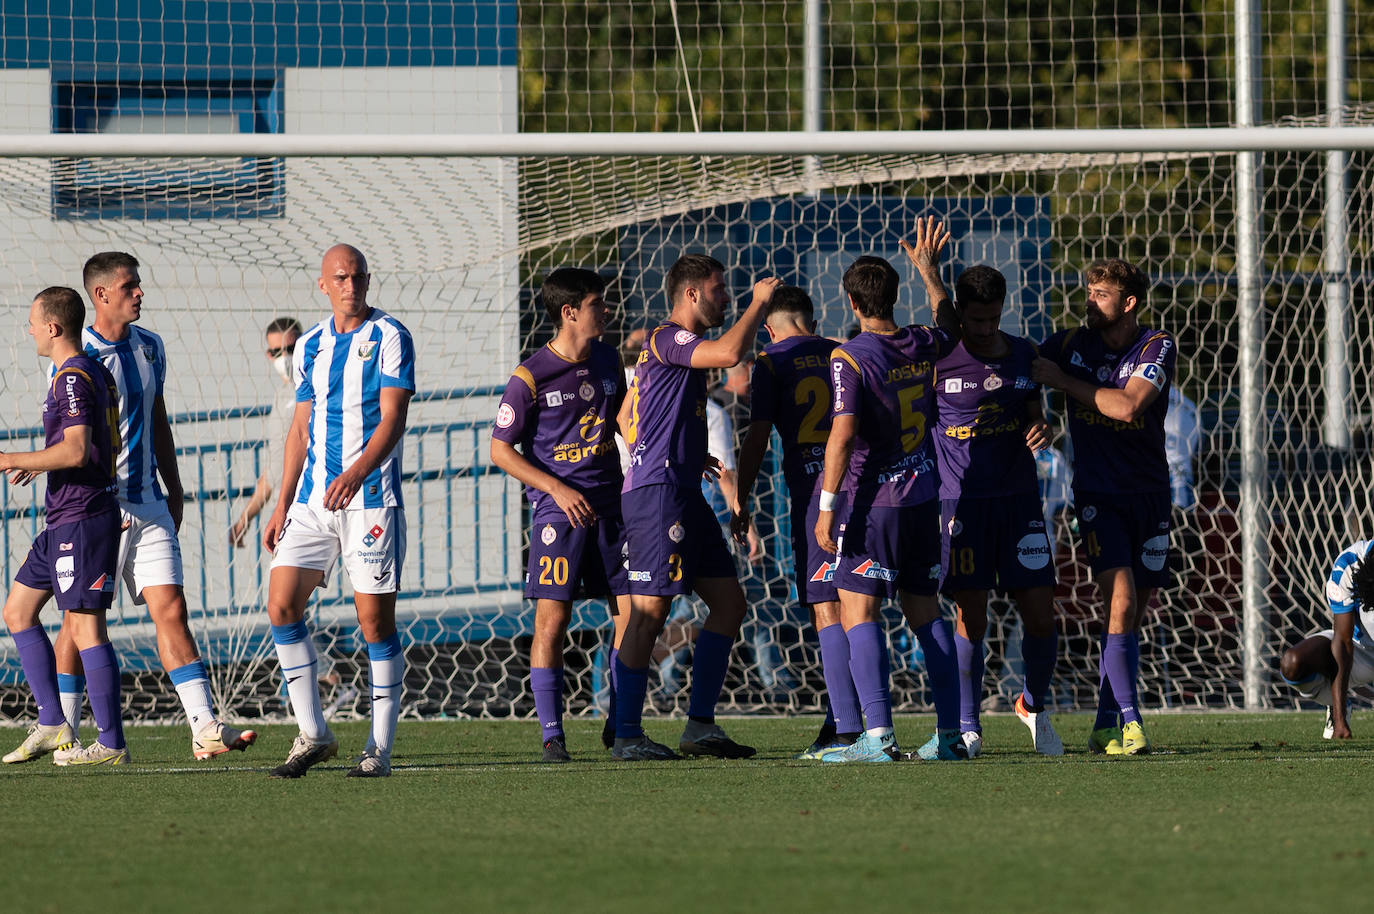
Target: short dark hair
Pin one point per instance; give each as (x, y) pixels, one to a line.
(568, 286)
(101, 266)
(1120, 273)
(792, 300)
(872, 283)
(63, 306)
(980, 285)
(689, 270)
(284, 325)
(1362, 582)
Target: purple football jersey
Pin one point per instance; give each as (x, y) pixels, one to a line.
(980, 438)
(887, 381)
(667, 428)
(1111, 456)
(791, 389)
(83, 392)
(561, 414)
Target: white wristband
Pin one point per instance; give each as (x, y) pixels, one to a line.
(827, 501)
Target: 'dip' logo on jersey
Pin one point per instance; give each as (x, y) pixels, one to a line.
(373, 535)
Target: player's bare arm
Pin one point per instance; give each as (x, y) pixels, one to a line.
(931, 239)
(572, 502)
(1125, 404)
(165, 452)
(72, 451)
(838, 448)
(750, 459)
(1343, 652)
(395, 403)
(1038, 436)
(293, 462)
(734, 344)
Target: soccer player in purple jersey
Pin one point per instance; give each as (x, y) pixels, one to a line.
(1114, 372)
(790, 389)
(991, 517)
(673, 539)
(880, 477)
(75, 556)
(559, 408)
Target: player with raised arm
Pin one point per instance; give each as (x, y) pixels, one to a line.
(673, 539)
(75, 556)
(1114, 372)
(991, 516)
(790, 389)
(340, 498)
(1328, 665)
(150, 554)
(559, 407)
(878, 507)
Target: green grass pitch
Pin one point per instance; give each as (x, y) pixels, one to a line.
(1234, 812)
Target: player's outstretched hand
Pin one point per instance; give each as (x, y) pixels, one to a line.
(575, 505)
(825, 523)
(764, 289)
(1038, 435)
(23, 477)
(931, 239)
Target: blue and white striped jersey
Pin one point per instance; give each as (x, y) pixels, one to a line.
(1340, 591)
(342, 375)
(139, 365)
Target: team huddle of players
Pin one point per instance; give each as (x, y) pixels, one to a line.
(908, 457)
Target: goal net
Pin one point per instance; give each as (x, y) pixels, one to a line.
(459, 244)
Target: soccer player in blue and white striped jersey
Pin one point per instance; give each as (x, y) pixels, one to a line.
(1327, 666)
(340, 498)
(149, 553)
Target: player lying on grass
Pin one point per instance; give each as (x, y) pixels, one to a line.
(559, 408)
(1328, 665)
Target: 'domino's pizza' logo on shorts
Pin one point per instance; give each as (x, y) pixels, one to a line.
(373, 535)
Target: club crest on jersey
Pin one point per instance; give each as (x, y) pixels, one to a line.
(548, 535)
(1089, 513)
(149, 352)
(1103, 374)
(992, 382)
(676, 533)
(367, 349)
(65, 567)
(586, 391)
(505, 416)
(871, 569)
(825, 573)
(373, 535)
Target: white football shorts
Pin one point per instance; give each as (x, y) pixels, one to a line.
(149, 552)
(371, 542)
(1361, 673)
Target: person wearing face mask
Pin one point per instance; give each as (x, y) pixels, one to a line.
(281, 343)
